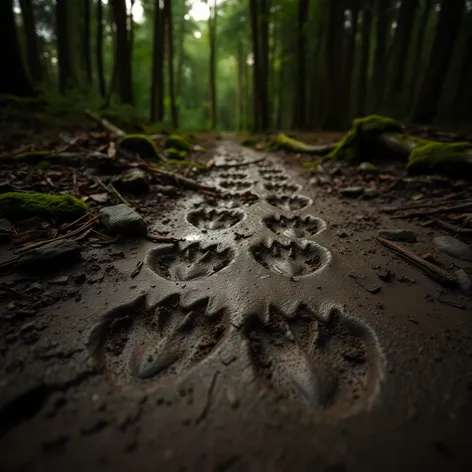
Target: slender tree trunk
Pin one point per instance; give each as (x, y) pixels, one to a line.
(212, 90)
(14, 80)
(180, 58)
(416, 74)
(264, 58)
(364, 62)
(333, 57)
(131, 40)
(380, 55)
(32, 47)
(239, 84)
(63, 45)
(350, 53)
(257, 103)
(86, 42)
(170, 62)
(401, 45)
(300, 102)
(122, 51)
(156, 51)
(443, 47)
(99, 49)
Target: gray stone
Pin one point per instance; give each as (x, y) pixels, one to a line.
(5, 225)
(351, 192)
(370, 193)
(454, 248)
(404, 235)
(54, 254)
(121, 219)
(367, 167)
(133, 180)
(465, 284)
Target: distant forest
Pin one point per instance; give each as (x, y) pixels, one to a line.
(244, 64)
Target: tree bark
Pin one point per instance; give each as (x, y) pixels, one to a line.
(333, 57)
(212, 90)
(419, 51)
(364, 62)
(380, 54)
(401, 45)
(264, 58)
(300, 102)
(257, 104)
(13, 81)
(443, 47)
(99, 49)
(156, 51)
(170, 62)
(63, 45)
(32, 46)
(350, 53)
(86, 42)
(123, 57)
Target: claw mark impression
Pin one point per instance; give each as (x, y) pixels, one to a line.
(185, 261)
(288, 202)
(215, 219)
(295, 226)
(235, 184)
(284, 188)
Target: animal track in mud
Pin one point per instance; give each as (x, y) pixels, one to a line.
(287, 188)
(214, 219)
(288, 202)
(233, 175)
(188, 261)
(322, 364)
(137, 344)
(232, 200)
(275, 178)
(294, 226)
(235, 184)
(267, 171)
(292, 260)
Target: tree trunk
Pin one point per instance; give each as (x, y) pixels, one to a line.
(364, 62)
(380, 55)
(257, 104)
(99, 49)
(32, 47)
(63, 45)
(300, 102)
(401, 45)
(170, 62)
(416, 74)
(350, 53)
(212, 90)
(14, 81)
(156, 85)
(333, 57)
(131, 39)
(180, 58)
(443, 47)
(264, 58)
(123, 57)
(239, 84)
(86, 42)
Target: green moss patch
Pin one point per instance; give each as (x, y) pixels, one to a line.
(139, 144)
(353, 147)
(177, 142)
(173, 153)
(17, 206)
(454, 160)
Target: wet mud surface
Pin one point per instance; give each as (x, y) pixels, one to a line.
(246, 345)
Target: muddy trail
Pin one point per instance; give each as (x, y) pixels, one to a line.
(273, 332)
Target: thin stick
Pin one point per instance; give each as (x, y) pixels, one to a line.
(105, 123)
(78, 220)
(444, 209)
(437, 274)
(112, 190)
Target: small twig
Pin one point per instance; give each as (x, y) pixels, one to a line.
(77, 221)
(112, 191)
(106, 238)
(444, 209)
(105, 123)
(437, 274)
(454, 229)
(137, 269)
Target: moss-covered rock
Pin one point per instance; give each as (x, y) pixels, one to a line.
(454, 160)
(178, 142)
(17, 206)
(356, 145)
(173, 153)
(139, 144)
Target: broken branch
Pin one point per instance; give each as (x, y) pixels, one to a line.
(105, 124)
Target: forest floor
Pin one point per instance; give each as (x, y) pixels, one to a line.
(263, 324)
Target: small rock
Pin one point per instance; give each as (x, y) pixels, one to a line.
(367, 167)
(454, 248)
(342, 234)
(121, 219)
(370, 193)
(465, 284)
(54, 254)
(60, 280)
(351, 192)
(404, 235)
(5, 225)
(100, 197)
(364, 282)
(384, 274)
(133, 180)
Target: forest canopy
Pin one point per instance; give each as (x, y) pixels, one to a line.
(244, 65)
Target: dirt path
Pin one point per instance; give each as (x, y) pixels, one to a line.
(277, 335)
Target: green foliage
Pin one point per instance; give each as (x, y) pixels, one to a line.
(175, 153)
(17, 206)
(454, 160)
(139, 144)
(177, 142)
(350, 148)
